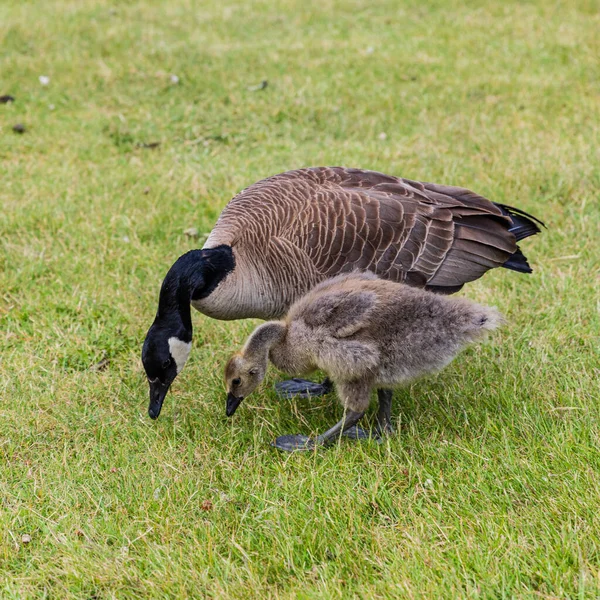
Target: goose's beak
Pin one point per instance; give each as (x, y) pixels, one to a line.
(232, 403)
(158, 391)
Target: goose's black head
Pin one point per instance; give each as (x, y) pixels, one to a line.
(164, 354)
(194, 275)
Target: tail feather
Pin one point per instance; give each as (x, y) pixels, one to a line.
(524, 224)
(518, 262)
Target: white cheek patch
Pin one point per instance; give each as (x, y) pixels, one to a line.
(179, 351)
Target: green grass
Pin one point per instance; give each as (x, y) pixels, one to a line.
(491, 489)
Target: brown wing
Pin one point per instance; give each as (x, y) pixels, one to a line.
(336, 220)
(403, 230)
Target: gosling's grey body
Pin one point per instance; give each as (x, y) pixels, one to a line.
(358, 326)
(366, 333)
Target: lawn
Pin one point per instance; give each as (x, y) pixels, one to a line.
(491, 487)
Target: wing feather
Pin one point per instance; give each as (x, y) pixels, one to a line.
(404, 230)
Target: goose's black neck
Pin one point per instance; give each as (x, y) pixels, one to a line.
(193, 276)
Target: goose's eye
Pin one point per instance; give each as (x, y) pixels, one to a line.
(236, 381)
(166, 363)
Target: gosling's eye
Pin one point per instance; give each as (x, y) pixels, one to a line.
(166, 363)
(236, 381)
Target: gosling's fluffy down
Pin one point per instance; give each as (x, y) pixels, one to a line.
(365, 333)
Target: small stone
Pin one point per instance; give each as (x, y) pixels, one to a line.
(19, 128)
(126, 239)
(149, 145)
(261, 86)
(382, 136)
(51, 106)
(26, 538)
(146, 190)
(191, 232)
(174, 79)
(370, 50)
(156, 494)
(44, 79)
(101, 365)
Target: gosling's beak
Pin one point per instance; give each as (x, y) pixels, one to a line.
(158, 391)
(232, 403)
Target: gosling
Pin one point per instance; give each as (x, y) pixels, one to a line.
(365, 333)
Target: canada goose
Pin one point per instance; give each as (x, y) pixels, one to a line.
(365, 333)
(281, 236)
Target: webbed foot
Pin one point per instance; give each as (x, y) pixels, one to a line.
(358, 433)
(293, 443)
(301, 388)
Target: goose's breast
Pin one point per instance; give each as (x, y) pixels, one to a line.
(244, 293)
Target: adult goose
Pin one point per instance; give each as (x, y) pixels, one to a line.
(283, 235)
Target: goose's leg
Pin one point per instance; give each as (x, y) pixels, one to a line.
(355, 398)
(301, 388)
(384, 414)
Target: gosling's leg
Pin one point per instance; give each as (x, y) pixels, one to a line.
(301, 388)
(354, 396)
(384, 413)
(383, 423)
(291, 443)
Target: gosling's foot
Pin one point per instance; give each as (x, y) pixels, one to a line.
(358, 433)
(293, 443)
(301, 388)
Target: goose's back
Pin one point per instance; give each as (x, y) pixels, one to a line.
(301, 227)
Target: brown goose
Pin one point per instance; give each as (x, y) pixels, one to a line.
(365, 333)
(281, 236)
